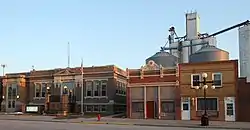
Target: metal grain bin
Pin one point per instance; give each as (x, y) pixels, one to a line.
(209, 53)
(163, 58)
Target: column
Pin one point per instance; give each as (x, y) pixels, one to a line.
(159, 102)
(145, 102)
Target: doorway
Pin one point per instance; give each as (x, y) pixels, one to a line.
(229, 109)
(150, 109)
(185, 109)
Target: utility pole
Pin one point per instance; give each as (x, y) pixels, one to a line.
(82, 94)
(68, 55)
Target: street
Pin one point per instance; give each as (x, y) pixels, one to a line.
(38, 125)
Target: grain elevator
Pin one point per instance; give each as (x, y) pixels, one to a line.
(244, 51)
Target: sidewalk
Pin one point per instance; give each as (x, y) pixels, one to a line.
(168, 123)
(138, 122)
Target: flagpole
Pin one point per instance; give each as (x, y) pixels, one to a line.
(82, 112)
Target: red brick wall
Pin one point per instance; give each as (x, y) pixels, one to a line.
(151, 79)
(243, 100)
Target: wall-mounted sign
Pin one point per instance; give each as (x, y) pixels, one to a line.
(31, 108)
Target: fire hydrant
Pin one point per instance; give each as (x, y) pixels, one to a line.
(98, 117)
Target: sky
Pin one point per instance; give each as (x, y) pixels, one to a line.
(105, 32)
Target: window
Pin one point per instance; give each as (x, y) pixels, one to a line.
(104, 88)
(13, 104)
(103, 108)
(137, 107)
(89, 108)
(117, 87)
(167, 107)
(14, 92)
(96, 88)
(89, 88)
(123, 89)
(9, 104)
(194, 79)
(185, 106)
(212, 104)
(217, 77)
(37, 90)
(44, 87)
(96, 108)
(230, 110)
(9, 92)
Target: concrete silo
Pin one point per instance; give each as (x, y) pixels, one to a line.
(244, 51)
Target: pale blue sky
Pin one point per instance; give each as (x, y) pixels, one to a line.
(120, 32)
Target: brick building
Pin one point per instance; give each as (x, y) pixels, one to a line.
(151, 92)
(221, 101)
(59, 90)
(243, 100)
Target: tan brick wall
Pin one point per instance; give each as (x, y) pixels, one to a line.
(229, 82)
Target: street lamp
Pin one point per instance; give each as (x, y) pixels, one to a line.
(17, 97)
(65, 89)
(48, 98)
(203, 85)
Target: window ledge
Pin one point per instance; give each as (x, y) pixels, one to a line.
(38, 98)
(211, 113)
(96, 97)
(120, 94)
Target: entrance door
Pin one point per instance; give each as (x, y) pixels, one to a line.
(185, 109)
(150, 109)
(229, 108)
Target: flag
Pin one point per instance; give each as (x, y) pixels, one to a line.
(82, 67)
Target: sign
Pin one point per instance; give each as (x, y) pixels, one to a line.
(31, 108)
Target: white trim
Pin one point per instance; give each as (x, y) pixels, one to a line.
(96, 78)
(196, 102)
(159, 101)
(152, 84)
(145, 102)
(134, 76)
(220, 77)
(192, 76)
(89, 97)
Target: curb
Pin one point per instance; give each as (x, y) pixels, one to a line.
(132, 124)
(108, 123)
(188, 126)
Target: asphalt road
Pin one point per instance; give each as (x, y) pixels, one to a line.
(35, 125)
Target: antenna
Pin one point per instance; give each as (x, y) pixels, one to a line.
(68, 55)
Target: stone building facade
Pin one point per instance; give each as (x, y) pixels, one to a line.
(57, 90)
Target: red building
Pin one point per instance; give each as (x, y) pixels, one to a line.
(151, 92)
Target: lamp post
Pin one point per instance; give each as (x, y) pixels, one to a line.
(65, 100)
(48, 98)
(203, 85)
(65, 90)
